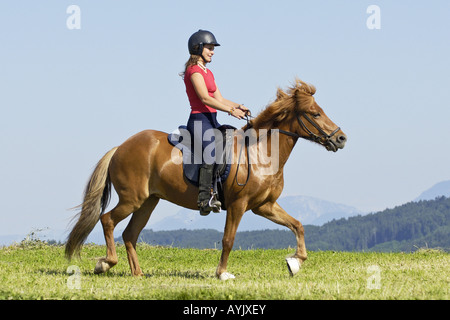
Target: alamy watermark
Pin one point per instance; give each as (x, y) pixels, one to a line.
(74, 281)
(374, 20)
(73, 22)
(374, 280)
(244, 147)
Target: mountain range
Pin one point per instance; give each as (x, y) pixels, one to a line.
(424, 224)
(308, 210)
(438, 190)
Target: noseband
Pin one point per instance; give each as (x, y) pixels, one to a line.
(323, 139)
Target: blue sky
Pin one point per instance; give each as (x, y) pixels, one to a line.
(68, 96)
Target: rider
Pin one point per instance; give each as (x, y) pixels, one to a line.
(205, 99)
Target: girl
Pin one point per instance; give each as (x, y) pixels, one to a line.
(205, 99)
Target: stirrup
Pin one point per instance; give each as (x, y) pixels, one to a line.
(210, 205)
(214, 203)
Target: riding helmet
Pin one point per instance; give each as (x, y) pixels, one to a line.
(199, 39)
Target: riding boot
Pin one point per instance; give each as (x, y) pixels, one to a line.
(207, 200)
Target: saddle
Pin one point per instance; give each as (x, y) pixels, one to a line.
(192, 162)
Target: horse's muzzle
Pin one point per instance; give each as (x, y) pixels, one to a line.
(336, 143)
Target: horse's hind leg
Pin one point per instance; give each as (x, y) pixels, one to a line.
(132, 231)
(109, 221)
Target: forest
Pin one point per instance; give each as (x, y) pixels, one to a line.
(405, 228)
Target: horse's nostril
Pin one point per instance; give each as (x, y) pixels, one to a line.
(342, 139)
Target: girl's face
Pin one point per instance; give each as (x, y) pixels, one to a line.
(208, 52)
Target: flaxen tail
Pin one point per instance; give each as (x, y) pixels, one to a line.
(96, 199)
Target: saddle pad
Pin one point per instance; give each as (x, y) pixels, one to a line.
(192, 163)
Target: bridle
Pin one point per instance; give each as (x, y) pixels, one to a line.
(323, 139)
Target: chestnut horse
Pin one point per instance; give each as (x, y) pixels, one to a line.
(145, 168)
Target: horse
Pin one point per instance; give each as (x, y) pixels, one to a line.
(145, 169)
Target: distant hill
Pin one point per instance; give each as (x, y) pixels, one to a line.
(438, 190)
(313, 211)
(307, 210)
(403, 228)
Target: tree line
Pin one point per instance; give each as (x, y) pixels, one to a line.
(404, 228)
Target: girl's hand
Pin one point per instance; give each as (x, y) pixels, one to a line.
(237, 113)
(246, 110)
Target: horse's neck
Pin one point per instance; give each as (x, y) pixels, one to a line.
(271, 144)
(285, 146)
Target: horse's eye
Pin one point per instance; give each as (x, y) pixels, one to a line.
(316, 115)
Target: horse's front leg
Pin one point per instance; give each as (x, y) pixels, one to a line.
(234, 215)
(275, 213)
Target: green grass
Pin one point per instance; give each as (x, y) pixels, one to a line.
(40, 272)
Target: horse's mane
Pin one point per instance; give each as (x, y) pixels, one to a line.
(297, 98)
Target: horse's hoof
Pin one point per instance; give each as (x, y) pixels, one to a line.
(226, 276)
(293, 265)
(101, 267)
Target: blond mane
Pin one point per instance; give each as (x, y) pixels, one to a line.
(297, 98)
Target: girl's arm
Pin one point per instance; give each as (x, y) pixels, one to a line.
(217, 102)
(219, 97)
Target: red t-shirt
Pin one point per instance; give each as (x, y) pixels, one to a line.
(197, 106)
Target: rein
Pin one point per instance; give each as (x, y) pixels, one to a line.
(246, 143)
(323, 139)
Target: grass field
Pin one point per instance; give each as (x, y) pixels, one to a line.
(39, 271)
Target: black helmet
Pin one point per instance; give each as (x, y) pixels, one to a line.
(200, 38)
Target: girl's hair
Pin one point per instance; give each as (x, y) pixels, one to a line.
(193, 59)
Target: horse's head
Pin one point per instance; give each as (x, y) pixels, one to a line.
(297, 114)
(310, 121)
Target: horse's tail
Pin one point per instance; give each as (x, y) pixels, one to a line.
(96, 199)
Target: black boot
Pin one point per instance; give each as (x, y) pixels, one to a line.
(207, 200)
